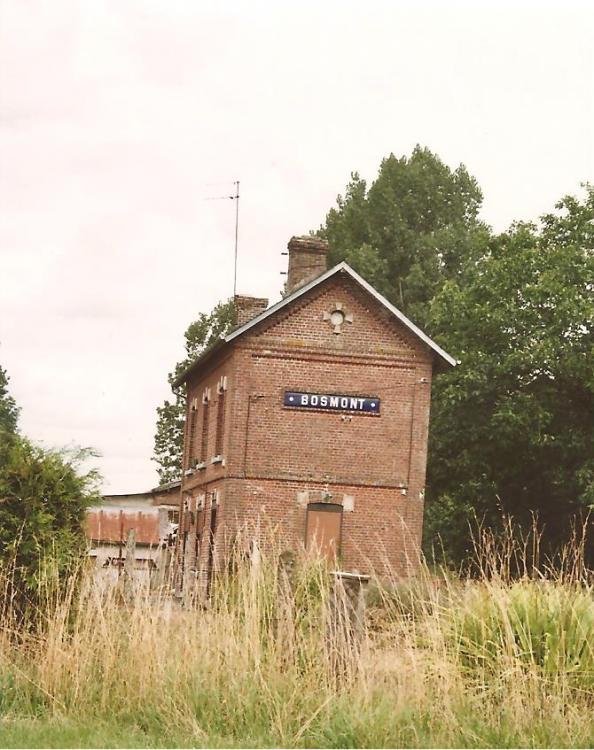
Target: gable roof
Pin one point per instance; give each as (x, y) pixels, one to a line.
(340, 268)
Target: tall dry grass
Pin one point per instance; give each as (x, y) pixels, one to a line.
(274, 659)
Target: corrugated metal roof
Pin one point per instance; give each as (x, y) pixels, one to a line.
(113, 525)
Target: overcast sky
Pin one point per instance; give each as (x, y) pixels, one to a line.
(117, 118)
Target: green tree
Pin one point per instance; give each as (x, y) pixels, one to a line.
(414, 228)
(513, 426)
(9, 411)
(43, 501)
(169, 436)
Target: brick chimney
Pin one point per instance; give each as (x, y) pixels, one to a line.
(247, 308)
(307, 261)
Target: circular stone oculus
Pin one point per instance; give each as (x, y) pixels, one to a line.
(337, 317)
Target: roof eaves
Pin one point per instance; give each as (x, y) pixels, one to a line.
(182, 377)
(167, 486)
(340, 267)
(285, 301)
(343, 266)
(201, 359)
(402, 317)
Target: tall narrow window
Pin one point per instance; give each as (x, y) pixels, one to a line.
(199, 530)
(186, 454)
(205, 420)
(220, 416)
(191, 435)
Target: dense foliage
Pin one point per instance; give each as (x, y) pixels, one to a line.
(512, 428)
(43, 499)
(513, 425)
(8, 409)
(205, 331)
(415, 227)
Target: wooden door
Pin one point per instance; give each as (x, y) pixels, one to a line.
(323, 529)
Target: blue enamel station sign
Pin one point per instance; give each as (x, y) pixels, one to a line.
(332, 402)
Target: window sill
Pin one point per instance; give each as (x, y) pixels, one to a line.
(201, 466)
(217, 460)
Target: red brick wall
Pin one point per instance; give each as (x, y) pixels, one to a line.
(380, 534)
(272, 453)
(307, 260)
(247, 308)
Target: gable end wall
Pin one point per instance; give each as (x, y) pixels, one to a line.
(273, 455)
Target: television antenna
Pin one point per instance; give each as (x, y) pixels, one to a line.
(234, 197)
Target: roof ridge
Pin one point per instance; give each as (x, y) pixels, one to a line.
(343, 266)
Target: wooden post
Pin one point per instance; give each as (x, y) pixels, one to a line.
(346, 624)
(129, 564)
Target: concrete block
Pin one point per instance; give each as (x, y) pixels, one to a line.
(303, 499)
(348, 503)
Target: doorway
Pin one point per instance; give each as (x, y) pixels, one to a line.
(323, 529)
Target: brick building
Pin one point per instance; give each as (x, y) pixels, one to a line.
(312, 416)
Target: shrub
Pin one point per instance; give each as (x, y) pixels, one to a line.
(543, 624)
(43, 499)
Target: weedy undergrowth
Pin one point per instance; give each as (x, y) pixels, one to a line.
(490, 660)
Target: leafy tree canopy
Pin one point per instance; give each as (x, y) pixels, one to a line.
(513, 425)
(414, 228)
(200, 335)
(43, 499)
(9, 411)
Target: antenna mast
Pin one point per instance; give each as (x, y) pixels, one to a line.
(236, 199)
